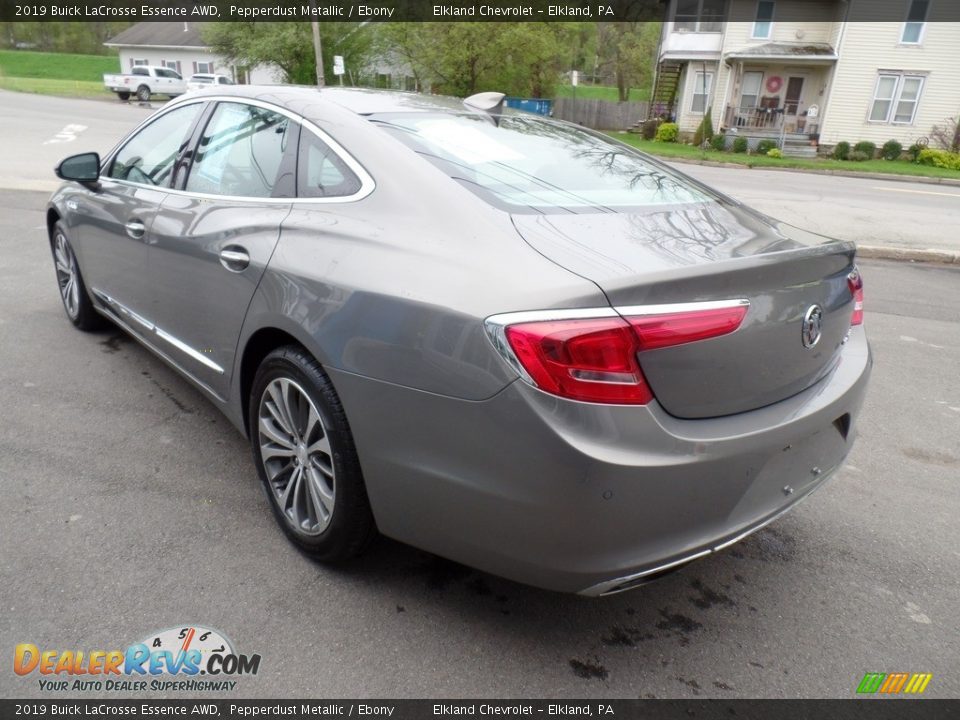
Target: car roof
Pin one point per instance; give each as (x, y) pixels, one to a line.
(361, 101)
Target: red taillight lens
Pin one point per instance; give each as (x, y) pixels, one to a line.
(658, 331)
(855, 283)
(591, 360)
(595, 359)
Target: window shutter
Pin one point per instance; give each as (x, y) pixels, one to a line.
(194, 67)
(131, 63)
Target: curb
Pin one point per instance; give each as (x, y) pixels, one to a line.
(950, 182)
(878, 252)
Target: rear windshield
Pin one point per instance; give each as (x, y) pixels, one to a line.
(521, 162)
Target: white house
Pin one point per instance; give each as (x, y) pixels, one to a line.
(179, 46)
(806, 70)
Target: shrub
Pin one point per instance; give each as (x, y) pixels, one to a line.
(891, 150)
(765, 146)
(947, 135)
(704, 132)
(740, 145)
(939, 158)
(915, 150)
(718, 142)
(667, 132)
(859, 156)
(867, 148)
(775, 153)
(842, 150)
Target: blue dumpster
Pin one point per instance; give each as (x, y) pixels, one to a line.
(530, 105)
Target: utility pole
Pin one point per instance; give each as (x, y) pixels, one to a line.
(317, 50)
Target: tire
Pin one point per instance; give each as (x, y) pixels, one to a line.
(143, 93)
(306, 457)
(73, 292)
(124, 96)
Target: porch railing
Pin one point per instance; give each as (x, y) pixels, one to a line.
(753, 118)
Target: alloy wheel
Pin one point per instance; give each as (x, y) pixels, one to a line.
(66, 264)
(296, 455)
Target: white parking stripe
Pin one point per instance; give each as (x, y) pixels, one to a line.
(918, 192)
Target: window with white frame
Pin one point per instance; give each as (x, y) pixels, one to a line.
(750, 89)
(763, 25)
(172, 64)
(702, 83)
(138, 61)
(699, 15)
(203, 67)
(895, 98)
(916, 20)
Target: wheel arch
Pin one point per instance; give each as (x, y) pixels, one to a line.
(260, 344)
(53, 217)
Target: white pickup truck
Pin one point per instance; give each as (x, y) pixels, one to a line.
(144, 81)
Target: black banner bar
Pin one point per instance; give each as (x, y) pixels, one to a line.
(437, 11)
(875, 709)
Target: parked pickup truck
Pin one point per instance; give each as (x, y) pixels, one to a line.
(144, 81)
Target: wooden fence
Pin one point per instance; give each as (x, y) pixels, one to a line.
(601, 114)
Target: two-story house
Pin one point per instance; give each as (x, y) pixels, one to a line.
(807, 71)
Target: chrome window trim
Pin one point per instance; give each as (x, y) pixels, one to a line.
(367, 183)
(496, 325)
(151, 327)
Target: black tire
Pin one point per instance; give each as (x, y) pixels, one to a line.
(124, 96)
(350, 526)
(143, 93)
(76, 304)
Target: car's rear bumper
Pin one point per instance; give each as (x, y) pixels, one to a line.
(591, 498)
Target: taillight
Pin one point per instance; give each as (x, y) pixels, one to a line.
(594, 359)
(855, 283)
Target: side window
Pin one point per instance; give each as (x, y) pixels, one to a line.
(240, 152)
(150, 155)
(321, 172)
(139, 70)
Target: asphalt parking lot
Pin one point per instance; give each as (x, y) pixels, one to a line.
(132, 506)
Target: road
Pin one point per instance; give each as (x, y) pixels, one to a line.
(132, 506)
(874, 212)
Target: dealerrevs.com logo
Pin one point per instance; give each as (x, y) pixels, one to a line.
(172, 659)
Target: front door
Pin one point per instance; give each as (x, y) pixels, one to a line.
(791, 102)
(213, 240)
(116, 219)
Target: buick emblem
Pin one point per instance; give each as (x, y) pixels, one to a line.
(812, 325)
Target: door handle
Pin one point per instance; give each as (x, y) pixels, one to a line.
(135, 229)
(234, 258)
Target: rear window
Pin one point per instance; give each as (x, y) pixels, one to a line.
(522, 162)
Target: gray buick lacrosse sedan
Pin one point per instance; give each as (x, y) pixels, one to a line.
(500, 338)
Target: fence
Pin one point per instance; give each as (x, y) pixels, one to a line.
(601, 114)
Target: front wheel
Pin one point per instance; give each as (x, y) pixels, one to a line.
(124, 96)
(73, 292)
(306, 458)
(143, 93)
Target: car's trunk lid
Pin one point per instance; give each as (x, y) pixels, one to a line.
(712, 251)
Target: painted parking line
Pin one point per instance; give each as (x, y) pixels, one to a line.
(68, 134)
(918, 192)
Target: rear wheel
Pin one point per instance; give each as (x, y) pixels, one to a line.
(73, 293)
(124, 96)
(306, 458)
(143, 93)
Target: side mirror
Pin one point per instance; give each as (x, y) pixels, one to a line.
(84, 168)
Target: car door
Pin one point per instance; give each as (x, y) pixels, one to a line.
(114, 220)
(213, 238)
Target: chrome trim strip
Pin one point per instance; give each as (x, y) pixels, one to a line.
(681, 307)
(187, 350)
(367, 183)
(158, 332)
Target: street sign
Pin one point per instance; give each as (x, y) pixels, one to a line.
(574, 77)
(338, 65)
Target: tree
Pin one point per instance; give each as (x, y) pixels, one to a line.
(289, 46)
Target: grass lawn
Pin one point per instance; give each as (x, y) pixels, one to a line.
(688, 152)
(600, 92)
(56, 66)
(63, 88)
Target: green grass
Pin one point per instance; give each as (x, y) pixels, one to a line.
(600, 92)
(688, 152)
(63, 88)
(56, 66)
